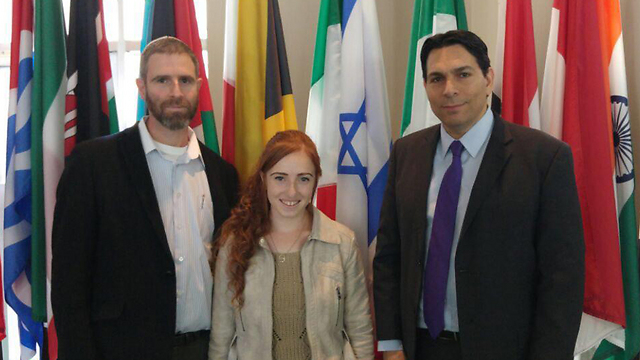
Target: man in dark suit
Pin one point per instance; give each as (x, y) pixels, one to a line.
(480, 252)
(134, 220)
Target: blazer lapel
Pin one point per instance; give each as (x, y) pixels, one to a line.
(495, 158)
(218, 197)
(423, 163)
(138, 171)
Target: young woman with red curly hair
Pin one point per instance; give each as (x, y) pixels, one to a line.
(289, 282)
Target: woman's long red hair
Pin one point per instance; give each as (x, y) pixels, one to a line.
(249, 220)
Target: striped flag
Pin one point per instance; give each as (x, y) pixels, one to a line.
(257, 96)
(17, 212)
(47, 143)
(515, 86)
(177, 18)
(349, 97)
(576, 107)
(90, 98)
(623, 344)
(430, 17)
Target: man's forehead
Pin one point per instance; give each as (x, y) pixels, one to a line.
(171, 63)
(451, 58)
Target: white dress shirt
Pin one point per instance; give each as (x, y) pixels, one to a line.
(185, 204)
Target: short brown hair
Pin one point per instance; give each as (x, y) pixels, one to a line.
(166, 45)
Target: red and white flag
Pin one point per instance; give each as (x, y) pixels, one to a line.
(576, 108)
(515, 90)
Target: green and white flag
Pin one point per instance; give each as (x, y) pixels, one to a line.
(430, 17)
(47, 141)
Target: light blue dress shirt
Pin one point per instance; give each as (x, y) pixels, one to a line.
(475, 144)
(186, 207)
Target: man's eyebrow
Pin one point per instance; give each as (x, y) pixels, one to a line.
(456, 70)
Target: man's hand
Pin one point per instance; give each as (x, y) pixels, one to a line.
(393, 355)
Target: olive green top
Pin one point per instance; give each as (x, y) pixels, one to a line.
(289, 319)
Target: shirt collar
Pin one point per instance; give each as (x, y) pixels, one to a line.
(473, 139)
(149, 145)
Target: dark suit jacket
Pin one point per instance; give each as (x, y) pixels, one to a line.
(519, 264)
(114, 282)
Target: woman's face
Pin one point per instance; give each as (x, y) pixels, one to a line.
(290, 184)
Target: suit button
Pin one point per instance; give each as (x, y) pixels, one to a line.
(169, 273)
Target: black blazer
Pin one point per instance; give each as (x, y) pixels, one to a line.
(519, 264)
(113, 276)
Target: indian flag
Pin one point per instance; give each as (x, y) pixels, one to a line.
(584, 102)
(430, 17)
(624, 343)
(257, 93)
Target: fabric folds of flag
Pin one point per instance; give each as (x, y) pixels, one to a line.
(177, 18)
(430, 17)
(47, 143)
(90, 99)
(257, 97)
(348, 117)
(515, 91)
(17, 211)
(625, 343)
(577, 108)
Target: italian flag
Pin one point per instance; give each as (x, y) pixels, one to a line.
(430, 17)
(515, 89)
(257, 94)
(47, 146)
(584, 103)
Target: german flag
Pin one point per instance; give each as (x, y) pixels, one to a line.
(257, 97)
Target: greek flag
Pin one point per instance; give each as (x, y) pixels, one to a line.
(17, 212)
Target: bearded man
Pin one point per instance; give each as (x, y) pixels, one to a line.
(135, 216)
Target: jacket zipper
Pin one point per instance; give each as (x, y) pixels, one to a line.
(339, 300)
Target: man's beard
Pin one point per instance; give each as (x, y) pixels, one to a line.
(175, 120)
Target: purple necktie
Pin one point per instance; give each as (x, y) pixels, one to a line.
(444, 224)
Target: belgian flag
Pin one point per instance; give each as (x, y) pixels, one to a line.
(257, 96)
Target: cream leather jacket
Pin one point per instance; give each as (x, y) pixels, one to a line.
(337, 301)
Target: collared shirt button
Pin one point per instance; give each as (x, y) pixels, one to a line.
(181, 259)
(178, 195)
(179, 227)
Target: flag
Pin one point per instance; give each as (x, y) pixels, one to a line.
(348, 118)
(257, 93)
(623, 344)
(90, 98)
(515, 86)
(47, 142)
(576, 108)
(430, 17)
(90, 105)
(177, 18)
(17, 211)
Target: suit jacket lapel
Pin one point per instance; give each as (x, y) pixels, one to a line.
(138, 170)
(495, 158)
(424, 168)
(218, 197)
